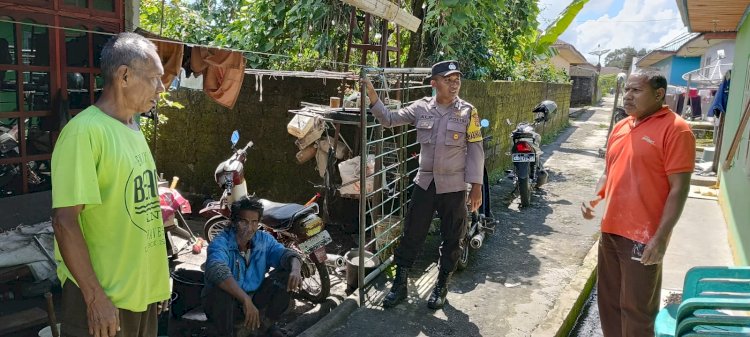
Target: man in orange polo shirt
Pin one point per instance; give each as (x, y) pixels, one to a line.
(650, 157)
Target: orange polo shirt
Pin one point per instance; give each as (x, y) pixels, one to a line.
(639, 159)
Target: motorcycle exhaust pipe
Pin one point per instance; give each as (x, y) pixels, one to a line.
(335, 261)
(476, 240)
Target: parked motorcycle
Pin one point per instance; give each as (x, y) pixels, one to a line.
(480, 222)
(526, 153)
(295, 226)
(178, 235)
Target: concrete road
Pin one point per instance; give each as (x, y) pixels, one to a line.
(513, 282)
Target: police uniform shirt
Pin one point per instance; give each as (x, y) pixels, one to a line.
(451, 152)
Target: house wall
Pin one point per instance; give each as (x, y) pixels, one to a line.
(735, 182)
(710, 57)
(664, 67)
(681, 65)
(560, 63)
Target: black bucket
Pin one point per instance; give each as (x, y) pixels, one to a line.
(186, 291)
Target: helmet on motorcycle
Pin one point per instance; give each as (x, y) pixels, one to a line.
(546, 106)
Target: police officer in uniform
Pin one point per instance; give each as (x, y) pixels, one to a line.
(451, 159)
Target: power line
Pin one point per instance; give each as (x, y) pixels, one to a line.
(184, 43)
(618, 21)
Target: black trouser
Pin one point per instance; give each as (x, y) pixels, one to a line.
(271, 299)
(451, 208)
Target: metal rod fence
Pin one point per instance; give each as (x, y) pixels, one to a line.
(382, 208)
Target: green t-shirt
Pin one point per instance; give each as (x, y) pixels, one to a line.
(106, 166)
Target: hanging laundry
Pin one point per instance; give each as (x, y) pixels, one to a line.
(719, 106)
(223, 72)
(171, 59)
(695, 106)
(186, 57)
(192, 82)
(170, 54)
(680, 103)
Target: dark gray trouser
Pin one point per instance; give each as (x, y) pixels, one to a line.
(74, 320)
(271, 299)
(451, 208)
(628, 291)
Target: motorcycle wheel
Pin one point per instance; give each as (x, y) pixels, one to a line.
(213, 227)
(524, 189)
(316, 283)
(463, 261)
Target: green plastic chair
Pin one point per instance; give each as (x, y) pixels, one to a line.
(708, 293)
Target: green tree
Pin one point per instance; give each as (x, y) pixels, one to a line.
(489, 37)
(623, 57)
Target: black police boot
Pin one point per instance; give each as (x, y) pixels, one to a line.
(437, 298)
(398, 290)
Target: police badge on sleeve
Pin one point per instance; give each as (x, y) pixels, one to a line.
(474, 131)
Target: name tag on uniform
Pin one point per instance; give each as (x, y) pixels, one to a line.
(425, 124)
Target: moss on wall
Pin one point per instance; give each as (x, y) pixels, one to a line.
(499, 101)
(196, 139)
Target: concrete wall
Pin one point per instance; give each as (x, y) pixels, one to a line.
(582, 91)
(132, 14)
(501, 100)
(196, 139)
(735, 182)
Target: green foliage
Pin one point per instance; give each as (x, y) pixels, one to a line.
(557, 27)
(147, 124)
(623, 57)
(490, 38)
(542, 70)
(607, 82)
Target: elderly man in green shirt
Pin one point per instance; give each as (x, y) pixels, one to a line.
(110, 245)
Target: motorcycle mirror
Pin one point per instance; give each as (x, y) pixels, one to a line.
(235, 138)
(508, 121)
(484, 123)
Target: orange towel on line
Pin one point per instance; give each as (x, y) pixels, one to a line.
(171, 59)
(222, 71)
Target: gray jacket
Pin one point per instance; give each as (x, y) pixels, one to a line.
(451, 152)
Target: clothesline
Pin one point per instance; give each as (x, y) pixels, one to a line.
(244, 51)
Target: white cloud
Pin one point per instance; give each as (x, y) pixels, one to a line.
(629, 28)
(596, 7)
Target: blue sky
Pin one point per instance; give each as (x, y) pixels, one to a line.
(617, 23)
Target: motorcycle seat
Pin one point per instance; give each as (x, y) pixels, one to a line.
(518, 135)
(281, 216)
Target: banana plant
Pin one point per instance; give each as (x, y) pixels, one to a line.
(557, 27)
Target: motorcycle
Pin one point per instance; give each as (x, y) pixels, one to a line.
(480, 222)
(297, 227)
(177, 233)
(525, 153)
